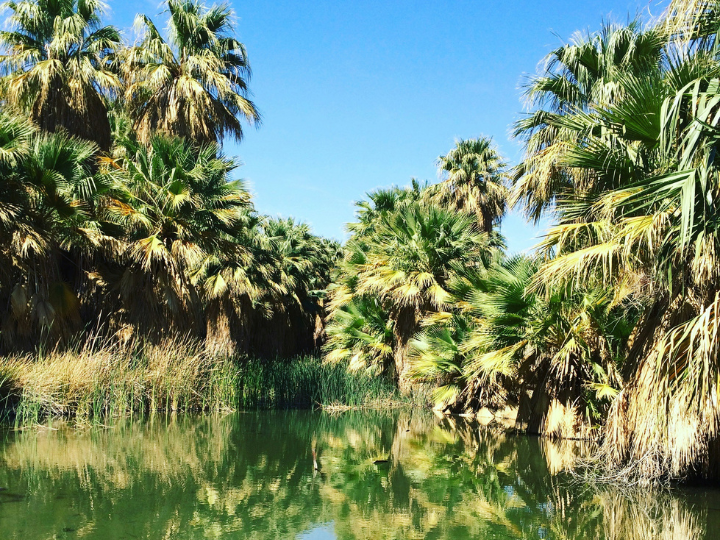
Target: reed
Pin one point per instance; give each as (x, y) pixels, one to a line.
(100, 381)
(97, 381)
(309, 382)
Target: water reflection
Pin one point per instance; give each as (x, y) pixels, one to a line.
(401, 475)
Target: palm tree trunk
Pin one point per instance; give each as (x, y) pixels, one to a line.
(554, 409)
(218, 338)
(556, 414)
(649, 427)
(403, 330)
(319, 334)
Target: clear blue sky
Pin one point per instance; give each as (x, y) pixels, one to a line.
(357, 95)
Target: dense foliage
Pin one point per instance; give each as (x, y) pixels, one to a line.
(612, 325)
(120, 213)
(141, 228)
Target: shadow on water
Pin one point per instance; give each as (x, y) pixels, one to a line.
(311, 475)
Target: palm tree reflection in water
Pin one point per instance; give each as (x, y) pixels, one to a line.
(249, 476)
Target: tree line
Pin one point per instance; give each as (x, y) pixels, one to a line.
(119, 212)
(610, 329)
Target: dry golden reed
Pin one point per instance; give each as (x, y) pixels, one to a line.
(112, 380)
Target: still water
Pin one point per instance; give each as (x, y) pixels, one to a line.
(381, 475)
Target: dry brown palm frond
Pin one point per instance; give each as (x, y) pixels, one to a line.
(686, 20)
(665, 421)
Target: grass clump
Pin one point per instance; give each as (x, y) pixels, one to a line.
(305, 382)
(95, 382)
(98, 382)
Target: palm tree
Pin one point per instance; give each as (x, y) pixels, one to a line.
(56, 63)
(301, 275)
(563, 349)
(174, 209)
(505, 345)
(448, 349)
(475, 181)
(578, 77)
(436, 356)
(51, 189)
(361, 333)
(15, 139)
(406, 261)
(19, 238)
(194, 84)
(652, 234)
(305, 259)
(263, 288)
(235, 280)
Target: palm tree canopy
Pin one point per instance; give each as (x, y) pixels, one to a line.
(49, 192)
(173, 209)
(176, 201)
(581, 76)
(643, 222)
(57, 65)
(194, 83)
(304, 260)
(475, 181)
(414, 252)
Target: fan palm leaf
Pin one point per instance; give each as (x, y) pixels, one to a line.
(193, 83)
(57, 65)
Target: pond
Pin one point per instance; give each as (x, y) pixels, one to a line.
(402, 474)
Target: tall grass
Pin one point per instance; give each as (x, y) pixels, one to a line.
(94, 382)
(308, 382)
(109, 380)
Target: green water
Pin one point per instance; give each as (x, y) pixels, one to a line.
(251, 476)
